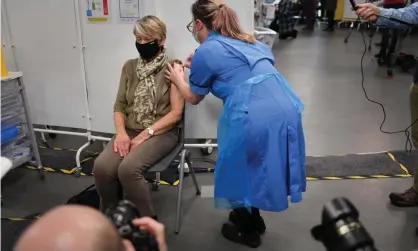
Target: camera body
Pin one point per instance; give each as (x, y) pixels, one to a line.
(122, 216)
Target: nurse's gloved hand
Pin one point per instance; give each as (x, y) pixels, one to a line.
(188, 61)
(174, 73)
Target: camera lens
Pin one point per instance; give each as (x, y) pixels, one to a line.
(340, 229)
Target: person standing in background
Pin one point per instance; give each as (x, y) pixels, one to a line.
(285, 21)
(380, 16)
(330, 6)
(309, 9)
(389, 36)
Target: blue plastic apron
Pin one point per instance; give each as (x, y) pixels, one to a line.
(232, 178)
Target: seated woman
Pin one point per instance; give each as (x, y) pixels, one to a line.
(146, 112)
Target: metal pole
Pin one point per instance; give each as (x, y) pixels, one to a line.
(77, 158)
(200, 145)
(180, 192)
(100, 138)
(185, 145)
(81, 134)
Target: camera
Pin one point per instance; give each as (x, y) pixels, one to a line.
(121, 216)
(341, 229)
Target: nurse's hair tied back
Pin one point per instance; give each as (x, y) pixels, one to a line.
(220, 18)
(150, 28)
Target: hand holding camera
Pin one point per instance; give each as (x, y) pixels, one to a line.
(145, 234)
(153, 227)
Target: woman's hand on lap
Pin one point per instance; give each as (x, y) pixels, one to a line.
(122, 144)
(141, 138)
(174, 73)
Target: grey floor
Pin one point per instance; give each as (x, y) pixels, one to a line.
(325, 72)
(338, 120)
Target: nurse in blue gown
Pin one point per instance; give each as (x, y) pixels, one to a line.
(261, 145)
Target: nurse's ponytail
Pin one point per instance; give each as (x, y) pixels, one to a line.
(220, 18)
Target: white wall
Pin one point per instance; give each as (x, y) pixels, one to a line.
(6, 43)
(44, 37)
(201, 120)
(107, 47)
(348, 10)
(49, 52)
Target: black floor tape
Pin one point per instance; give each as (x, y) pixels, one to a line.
(408, 160)
(352, 165)
(11, 231)
(364, 165)
(316, 167)
(63, 159)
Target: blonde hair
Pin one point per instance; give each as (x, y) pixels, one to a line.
(151, 28)
(220, 18)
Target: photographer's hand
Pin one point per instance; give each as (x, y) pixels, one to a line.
(155, 228)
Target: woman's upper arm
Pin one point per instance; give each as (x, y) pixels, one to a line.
(201, 74)
(121, 102)
(176, 100)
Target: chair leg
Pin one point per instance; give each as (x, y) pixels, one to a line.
(180, 192)
(156, 183)
(196, 185)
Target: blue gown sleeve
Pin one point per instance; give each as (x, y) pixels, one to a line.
(296, 156)
(201, 75)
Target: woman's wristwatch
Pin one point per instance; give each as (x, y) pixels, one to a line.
(150, 131)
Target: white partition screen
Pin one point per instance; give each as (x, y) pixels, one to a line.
(201, 120)
(46, 50)
(349, 14)
(48, 46)
(6, 42)
(107, 47)
(110, 44)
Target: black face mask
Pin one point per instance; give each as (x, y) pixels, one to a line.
(148, 50)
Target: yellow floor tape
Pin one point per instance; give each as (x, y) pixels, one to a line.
(68, 149)
(162, 182)
(351, 177)
(20, 219)
(400, 164)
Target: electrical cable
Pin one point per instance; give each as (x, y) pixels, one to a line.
(204, 160)
(408, 143)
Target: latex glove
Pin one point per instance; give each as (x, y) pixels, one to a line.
(368, 11)
(174, 73)
(121, 144)
(153, 227)
(188, 62)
